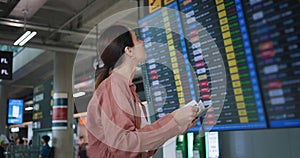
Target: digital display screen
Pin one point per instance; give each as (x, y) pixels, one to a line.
(167, 75)
(241, 57)
(224, 23)
(212, 144)
(15, 111)
(274, 30)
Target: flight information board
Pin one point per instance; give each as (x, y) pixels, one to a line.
(167, 74)
(275, 31)
(240, 56)
(224, 23)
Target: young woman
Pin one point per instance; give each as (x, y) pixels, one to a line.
(116, 122)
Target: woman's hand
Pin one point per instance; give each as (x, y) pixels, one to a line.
(186, 115)
(194, 123)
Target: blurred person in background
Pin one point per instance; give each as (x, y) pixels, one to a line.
(82, 147)
(3, 144)
(46, 150)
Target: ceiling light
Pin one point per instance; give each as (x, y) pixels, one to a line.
(25, 38)
(28, 38)
(15, 129)
(22, 38)
(29, 102)
(29, 108)
(78, 94)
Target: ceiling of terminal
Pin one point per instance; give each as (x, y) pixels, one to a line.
(61, 26)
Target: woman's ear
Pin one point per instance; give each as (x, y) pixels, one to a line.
(128, 51)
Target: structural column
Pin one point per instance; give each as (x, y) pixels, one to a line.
(63, 108)
(3, 107)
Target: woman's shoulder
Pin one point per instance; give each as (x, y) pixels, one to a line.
(114, 82)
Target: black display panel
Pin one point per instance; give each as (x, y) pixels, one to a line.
(6, 59)
(167, 74)
(224, 23)
(274, 30)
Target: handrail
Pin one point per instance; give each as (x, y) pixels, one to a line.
(15, 151)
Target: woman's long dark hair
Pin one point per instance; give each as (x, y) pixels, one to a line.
(111, 47)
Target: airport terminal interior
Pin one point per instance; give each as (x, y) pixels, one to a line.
(241, 59)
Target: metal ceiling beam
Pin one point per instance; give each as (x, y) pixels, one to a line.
(71, 19)
(58, 10)
(3, 6)
(20, 24)
(51, 47)
(117, 7)
(7, 7)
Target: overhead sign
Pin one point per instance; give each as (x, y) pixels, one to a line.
(6, 65)
(42, 105)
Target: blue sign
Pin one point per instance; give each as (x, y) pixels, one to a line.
(15, 111)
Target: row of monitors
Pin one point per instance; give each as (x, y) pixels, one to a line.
(241, 57)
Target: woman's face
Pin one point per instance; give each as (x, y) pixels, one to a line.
(138, 48)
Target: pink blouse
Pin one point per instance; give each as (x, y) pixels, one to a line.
(114, 123)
